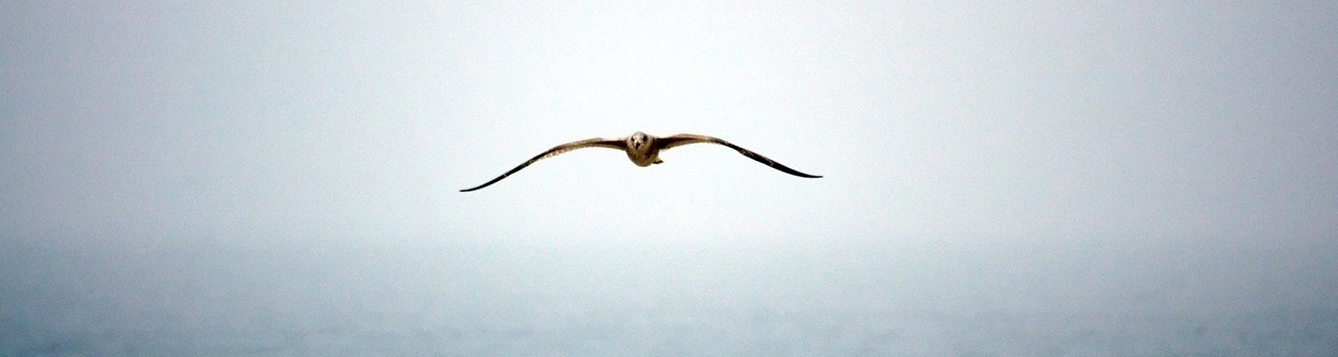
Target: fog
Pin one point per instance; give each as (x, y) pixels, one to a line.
(1034, 178)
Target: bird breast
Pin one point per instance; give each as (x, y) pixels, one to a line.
(641, 156)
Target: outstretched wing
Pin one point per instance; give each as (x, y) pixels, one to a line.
(685, 139)
(558, 150)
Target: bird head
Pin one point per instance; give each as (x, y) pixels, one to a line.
(639, 141)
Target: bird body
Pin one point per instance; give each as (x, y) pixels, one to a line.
(641, 149)
(644, 150)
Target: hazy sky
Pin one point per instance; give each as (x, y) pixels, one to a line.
(1159, 144)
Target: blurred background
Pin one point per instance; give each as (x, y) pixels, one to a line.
(1031, 178)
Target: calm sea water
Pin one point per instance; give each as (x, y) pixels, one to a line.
(601, 300)
(730, 332)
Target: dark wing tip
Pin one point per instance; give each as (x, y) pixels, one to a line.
(764, 160)
(613, 144)
(794, 172)
(485, 185)
(505, 175)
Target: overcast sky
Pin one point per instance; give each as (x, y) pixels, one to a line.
(1172, 142)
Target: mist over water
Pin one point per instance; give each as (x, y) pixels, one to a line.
(743, 296)
(1047, 178)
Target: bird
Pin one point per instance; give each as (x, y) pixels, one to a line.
(644, 150)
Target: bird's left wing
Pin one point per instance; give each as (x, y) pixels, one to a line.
(684, 139)
(558, 150)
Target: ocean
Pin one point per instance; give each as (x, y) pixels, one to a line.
(603, 299)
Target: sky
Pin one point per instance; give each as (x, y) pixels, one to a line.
(1036, 155)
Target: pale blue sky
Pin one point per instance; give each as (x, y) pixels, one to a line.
(1182, 153)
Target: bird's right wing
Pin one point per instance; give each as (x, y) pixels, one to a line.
(558, 150)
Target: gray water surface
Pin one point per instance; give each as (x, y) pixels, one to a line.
(618, 299)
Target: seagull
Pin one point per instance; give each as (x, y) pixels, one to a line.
(644, 150)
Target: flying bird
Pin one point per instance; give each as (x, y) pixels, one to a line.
(644, 150)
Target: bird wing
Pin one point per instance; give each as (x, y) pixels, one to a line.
(666, 143)
(558, 150)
